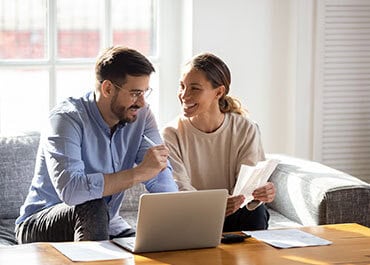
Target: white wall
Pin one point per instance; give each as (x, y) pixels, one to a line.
(253, 37)
(259, 40)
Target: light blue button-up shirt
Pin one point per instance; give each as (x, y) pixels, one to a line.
(78, 148)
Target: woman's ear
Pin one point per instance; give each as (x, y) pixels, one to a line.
(220, 92)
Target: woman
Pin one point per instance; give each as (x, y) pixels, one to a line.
(213, 138)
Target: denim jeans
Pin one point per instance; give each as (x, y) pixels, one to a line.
(58, 223)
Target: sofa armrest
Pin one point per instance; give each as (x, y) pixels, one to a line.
(311, 193)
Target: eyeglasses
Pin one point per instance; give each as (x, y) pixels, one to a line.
(136, 93)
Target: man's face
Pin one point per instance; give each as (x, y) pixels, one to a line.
(129, 98)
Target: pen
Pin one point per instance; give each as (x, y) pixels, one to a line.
(146, 138)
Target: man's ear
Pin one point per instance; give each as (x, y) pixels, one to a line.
(106, 88)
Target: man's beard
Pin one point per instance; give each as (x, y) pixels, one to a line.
(121, 112)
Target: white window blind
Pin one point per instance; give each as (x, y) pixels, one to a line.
(342, 86)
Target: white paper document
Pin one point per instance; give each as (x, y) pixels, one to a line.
(288, 238)
(253, 177)
(92, 251)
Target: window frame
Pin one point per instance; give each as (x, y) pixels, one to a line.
(51, 63)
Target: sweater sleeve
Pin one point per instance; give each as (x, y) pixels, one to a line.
(252, 150)
(180, 173)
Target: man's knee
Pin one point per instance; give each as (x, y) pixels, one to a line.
(93, 211)
(92, 220)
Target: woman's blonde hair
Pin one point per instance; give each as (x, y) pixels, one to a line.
(218, 74)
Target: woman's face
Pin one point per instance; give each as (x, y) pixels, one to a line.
(196, 94)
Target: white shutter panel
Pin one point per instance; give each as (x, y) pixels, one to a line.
(342, 88)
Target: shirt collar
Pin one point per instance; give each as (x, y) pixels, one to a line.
(96, 113)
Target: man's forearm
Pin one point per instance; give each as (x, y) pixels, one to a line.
(125, 179)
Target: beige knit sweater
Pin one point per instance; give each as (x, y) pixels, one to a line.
(212, 160)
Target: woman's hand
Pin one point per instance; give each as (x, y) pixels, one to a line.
(265, 193)
(233, 204)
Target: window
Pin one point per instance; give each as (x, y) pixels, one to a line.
(48, 50)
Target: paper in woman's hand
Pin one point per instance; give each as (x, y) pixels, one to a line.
(253, 177)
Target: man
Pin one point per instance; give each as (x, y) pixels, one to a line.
(87, 156)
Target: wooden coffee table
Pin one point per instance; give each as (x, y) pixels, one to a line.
(351, 245)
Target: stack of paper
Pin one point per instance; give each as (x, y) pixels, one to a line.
(92, 251)
(253, 177)
(288, 238)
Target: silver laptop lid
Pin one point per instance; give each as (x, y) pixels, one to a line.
(180, 220)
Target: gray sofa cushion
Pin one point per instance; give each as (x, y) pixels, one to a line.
(17, 156)
(312, 194)
(132, 197)
(278, 220)
(7, 237)
(130, 204)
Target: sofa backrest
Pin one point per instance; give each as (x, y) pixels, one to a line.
(17, 163)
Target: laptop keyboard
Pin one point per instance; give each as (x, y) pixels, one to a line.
(130, 241)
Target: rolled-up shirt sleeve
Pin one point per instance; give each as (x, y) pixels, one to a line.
(163, 182)
(82, 188)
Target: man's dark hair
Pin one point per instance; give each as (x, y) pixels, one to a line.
(116, 62)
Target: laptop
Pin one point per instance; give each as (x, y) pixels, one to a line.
(178, 220)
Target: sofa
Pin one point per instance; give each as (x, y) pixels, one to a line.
(308, 193)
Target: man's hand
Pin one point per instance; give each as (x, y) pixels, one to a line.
(233, 204)
(154, 161)
(265, 193)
